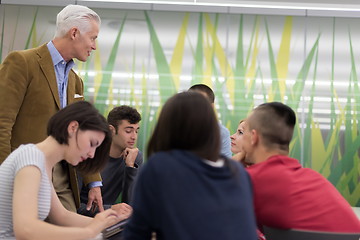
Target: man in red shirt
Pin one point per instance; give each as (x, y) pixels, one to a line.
(286, 195)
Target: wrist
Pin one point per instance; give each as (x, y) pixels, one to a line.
(90, 233)
(130, 164)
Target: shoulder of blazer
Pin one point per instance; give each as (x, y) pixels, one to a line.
(33, 55)
(43, 52)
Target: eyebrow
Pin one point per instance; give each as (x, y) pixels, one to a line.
(132, 128)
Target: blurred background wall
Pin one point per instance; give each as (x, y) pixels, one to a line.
(304, 54)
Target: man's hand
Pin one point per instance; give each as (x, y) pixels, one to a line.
(130, 155)
(95, 200)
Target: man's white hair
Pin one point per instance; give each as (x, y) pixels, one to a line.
(75, 16)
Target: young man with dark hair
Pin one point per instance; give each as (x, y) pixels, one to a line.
(124, 161)
(286, 195)
(224, 132)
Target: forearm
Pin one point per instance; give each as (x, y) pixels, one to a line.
(69, 218)
(129, 178)
(42, 230)
(75, 226)
(130, 174)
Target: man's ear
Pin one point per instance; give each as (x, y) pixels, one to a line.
(254, 137)
(73, 32)
(112, 129)
(73, 127)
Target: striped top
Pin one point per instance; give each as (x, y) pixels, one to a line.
(25, 155)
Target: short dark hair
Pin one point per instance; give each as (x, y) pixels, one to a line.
(205, 89)
(187, 121)
(275, 121)
(123, 112)
(88, 118)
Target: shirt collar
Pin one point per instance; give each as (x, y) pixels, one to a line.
(56, 56)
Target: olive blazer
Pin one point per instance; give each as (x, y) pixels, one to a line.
(29, 97)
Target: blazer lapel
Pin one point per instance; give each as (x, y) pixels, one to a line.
(47, 66)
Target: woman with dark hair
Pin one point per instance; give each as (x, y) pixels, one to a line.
(79, 134)
(186, 190)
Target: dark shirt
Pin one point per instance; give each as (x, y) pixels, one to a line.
(179, 196)
(117, 179)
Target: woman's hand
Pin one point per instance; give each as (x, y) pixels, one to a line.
(109, 217)
(239, 157)
(103, 220)
(123, 210)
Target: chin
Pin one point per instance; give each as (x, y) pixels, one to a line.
(82, 59)
(75, 163)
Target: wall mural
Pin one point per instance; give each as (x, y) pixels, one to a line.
(143, 57)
